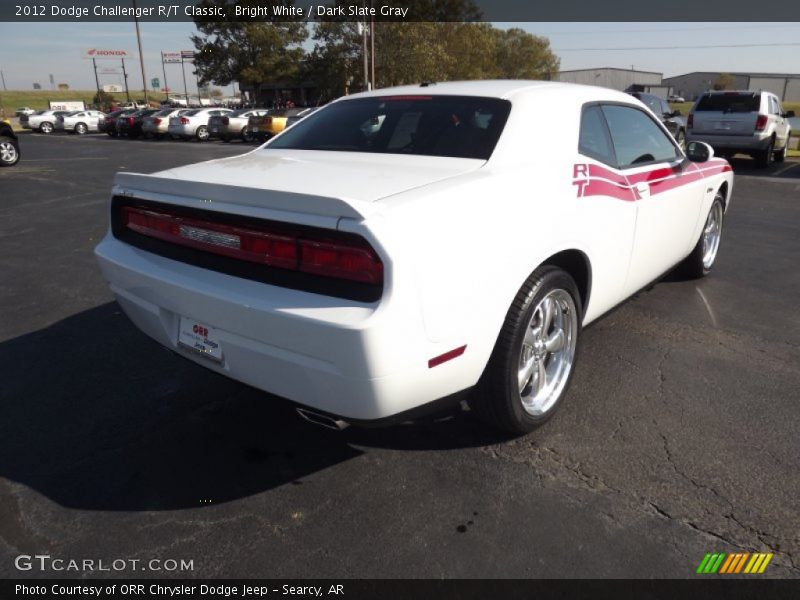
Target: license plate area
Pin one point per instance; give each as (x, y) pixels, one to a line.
(199, 338)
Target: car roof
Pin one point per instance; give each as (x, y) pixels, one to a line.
(503, 89)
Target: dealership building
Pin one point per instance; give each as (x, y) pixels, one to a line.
(690, 85)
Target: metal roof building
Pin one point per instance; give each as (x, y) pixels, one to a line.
(691, 85)
(612, 77)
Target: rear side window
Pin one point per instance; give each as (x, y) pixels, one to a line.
(594, 140)
(454, 126)
(729, 103)
(636, 137)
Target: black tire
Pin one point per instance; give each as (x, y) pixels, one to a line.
(497, 399)
(201, 133)
(246, 135)
(764, 158)
(694, 266)
(9, 151)
(81, 128)
(46, 127)
(225, 139)
(780, 155)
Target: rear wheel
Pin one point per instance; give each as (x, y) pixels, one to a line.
(46, 127)
(81, 128)
(532, 362)
(9, 151)
(780, 155)
(680, 137)
(202, 133)
(764, 158)
(247, 136)
(700, 262)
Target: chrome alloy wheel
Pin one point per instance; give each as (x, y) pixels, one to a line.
(712, 233)
(547, 352)
(8, 153)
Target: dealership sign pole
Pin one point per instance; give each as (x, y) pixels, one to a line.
(187, 55)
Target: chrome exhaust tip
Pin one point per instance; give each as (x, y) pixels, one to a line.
(322, 420)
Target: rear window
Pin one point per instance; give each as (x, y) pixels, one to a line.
(729, 103)
(453, 126)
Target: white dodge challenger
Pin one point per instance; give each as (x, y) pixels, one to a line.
(405, 245)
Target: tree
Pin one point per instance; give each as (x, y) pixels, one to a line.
(248, 52)
(725, 81)
(63, 87)
(336, 62)
(103, 101)
(216, 93)
(521, 55)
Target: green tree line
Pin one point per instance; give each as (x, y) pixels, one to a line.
(446, 48)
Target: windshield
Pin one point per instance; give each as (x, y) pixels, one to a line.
(729, 103)
(454, 126)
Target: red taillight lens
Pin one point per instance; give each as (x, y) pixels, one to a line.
(761, 122)
(225, 120)
(690, 121)
(130, 121)
(184, 121)
(157, 121)
(267, 121)
(341, 261)
(349, 259)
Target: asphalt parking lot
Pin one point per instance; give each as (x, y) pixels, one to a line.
(680, 434)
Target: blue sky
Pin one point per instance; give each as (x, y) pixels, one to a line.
(32, 51)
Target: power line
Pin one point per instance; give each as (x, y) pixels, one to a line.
(674, 29)
(711, 47)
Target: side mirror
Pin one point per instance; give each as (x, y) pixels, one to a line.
(789, 114)
(699, 152)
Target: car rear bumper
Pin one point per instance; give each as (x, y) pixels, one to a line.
(358, 361)
(744, 143)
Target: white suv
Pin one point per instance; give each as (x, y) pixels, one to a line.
(752, 122)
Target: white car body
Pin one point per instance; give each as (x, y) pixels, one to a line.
(194, 122)
(457, 238)
(158, 123)
(44, 121)
(81, 121)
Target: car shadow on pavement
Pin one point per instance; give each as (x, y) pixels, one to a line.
(743, 165)
(96, 416)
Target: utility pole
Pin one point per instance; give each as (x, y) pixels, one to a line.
(185, 91)
(125, 77)
(96, 80)
(372, 47)
(141, 56)
(364, 48)
(164, 71)
(4, 81)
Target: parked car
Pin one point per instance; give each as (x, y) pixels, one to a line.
(131, 125)
(233, 125)
(676, 99)
(43, 121)
(671, 119)
(24, 110)
(265, 126)
(750, 122)
(292, 119)
(156, 125)
(109, 123)
(9, 145)
(112, 125)
(292, 267)
(80, 121)
(194, 123)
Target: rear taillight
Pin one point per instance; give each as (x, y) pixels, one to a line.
(761, 122)
(130, 121)
(351, 258)
(184, 121)
(267, 121)
(690, 121)
(225, 120)
(157, 121)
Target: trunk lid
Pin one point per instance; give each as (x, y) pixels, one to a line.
(332, 184)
